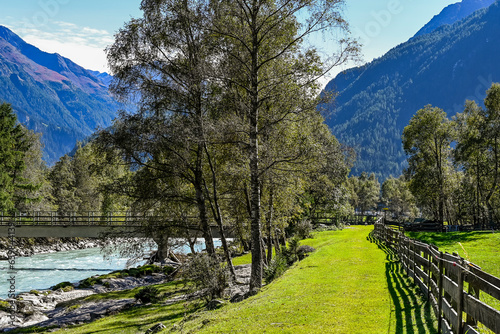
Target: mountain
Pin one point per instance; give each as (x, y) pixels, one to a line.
(454, 13)
(104, 77)
(443, 68)
(52, 95)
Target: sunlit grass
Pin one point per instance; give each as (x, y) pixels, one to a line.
(350, 284)
(340, 288)
(479, 247)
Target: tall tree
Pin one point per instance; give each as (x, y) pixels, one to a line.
(266, 65)
(366, 192)
(37, 196)
(397, 196)
(478, 150)
(14, 144)
(161, 59)
(426, 141)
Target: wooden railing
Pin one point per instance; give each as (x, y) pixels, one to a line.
(442, 277)
(78, 219)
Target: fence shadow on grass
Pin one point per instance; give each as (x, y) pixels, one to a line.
(411, 314)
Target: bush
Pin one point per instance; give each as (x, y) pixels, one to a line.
(304, 250)
(66, 286)
(292, 250)
(208, 273)
(303, 229)
(276, 268)
(148, 294)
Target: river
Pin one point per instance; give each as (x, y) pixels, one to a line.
(42, 271)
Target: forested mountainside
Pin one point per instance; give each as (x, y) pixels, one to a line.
(52, 95)
(444, 68)
(454, 13)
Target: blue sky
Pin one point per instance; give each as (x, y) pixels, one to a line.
(81, 29)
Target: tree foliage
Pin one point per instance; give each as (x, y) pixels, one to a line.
(454, 164)
(15, 143)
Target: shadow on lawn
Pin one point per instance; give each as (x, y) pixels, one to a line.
(412, 314)
(447, 239)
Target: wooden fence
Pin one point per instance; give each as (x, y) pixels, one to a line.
(441, 277)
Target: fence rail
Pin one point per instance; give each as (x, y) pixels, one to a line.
(76, 219)
(441, 276)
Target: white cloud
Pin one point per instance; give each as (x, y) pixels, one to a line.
(89, 57)
(83, 45)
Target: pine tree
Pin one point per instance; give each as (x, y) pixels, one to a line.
(13, 147)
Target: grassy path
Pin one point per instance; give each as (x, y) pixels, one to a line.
(349, 285)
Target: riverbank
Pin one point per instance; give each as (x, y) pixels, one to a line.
(47, 308)
(32, 246)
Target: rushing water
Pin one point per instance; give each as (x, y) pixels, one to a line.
(45, 270)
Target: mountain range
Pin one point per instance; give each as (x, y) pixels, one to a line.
(442, 65)
(52, 95)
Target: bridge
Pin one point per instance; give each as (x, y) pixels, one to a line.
(51, 224)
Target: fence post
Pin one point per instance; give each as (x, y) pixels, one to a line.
(429, 271)
(474, 291)
(440, 292)
(413, 260)
(460, 301)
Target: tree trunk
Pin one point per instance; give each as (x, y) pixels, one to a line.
(214, 203)
(256, 272)
(201, 203)
(269, 225)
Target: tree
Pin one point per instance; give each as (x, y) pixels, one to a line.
(62, 181)
(271, 75)
(161, 59)
(37, 196)
(397, 197)
(366, 192)
(14, 143)
(478, 151)
(426, 141)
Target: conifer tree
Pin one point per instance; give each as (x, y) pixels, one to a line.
(13, 147)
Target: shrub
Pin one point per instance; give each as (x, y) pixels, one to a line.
(292, 250)
(304, 250)
(303, 229)
(148, 294)
(63, 285)
(208, 273)
(276, 268)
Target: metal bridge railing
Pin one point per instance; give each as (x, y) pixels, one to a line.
(75, 219)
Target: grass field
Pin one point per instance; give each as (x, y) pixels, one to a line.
(350, 284)
(480, 248)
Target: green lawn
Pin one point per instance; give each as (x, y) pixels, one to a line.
(480, 248)
(350, 284)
